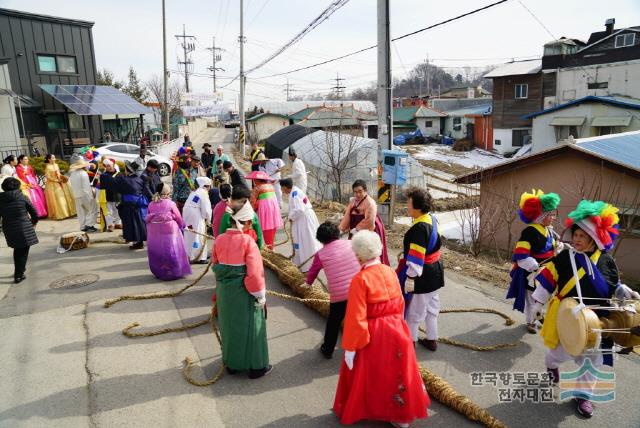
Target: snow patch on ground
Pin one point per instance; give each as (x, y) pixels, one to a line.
(475, 158)
(450, 223)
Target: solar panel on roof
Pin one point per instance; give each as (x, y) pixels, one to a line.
(89, 100)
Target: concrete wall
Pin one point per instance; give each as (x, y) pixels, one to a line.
(462, 132)
(265, 126)
(623, 78)
(545, 136)
(571, 176)
(431, 131)
(192, 128)
(9, 133)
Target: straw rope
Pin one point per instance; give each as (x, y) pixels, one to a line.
(158, 295)
(437, 387)
(188, 363)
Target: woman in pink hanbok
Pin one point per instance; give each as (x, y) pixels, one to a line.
(168, 258)
(27, 175)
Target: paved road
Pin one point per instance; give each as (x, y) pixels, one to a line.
(65, 362)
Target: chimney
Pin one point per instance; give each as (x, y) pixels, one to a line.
(608, 25)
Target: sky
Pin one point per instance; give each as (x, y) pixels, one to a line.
(129, 33)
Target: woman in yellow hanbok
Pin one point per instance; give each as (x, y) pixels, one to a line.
(57, 192)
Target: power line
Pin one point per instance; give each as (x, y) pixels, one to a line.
(464, 15)
(334, 6)
(187, 48)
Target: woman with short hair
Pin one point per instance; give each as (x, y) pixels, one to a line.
(18, 220)
(379, 378)
(362, 214)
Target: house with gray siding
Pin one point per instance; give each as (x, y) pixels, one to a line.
(40, 49)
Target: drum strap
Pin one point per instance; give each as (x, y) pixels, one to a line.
(549, 330)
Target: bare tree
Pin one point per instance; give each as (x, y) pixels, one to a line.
(156, 94)
(338, 153)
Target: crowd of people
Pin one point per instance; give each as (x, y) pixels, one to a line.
(380, 309)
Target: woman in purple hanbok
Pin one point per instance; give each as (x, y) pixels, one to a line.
(168, 258)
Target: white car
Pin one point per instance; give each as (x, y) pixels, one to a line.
(129, 152)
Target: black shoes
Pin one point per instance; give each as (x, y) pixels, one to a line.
(90, 229)
(19, 279)
(328, 355)
(231, 371)
(431, 345)
(256, 374)
(137, 246)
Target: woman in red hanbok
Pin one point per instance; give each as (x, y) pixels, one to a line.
(379, 378)
(27, 175)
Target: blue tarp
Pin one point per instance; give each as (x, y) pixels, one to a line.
(401, 139)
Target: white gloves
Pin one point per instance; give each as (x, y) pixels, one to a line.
(529, 264)
(536, 309)
(261, 302)
(409, 285)
(349, 356)
(624, 292)
(353, 231)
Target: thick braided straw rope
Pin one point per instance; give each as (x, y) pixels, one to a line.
(437, 387)
(188, 363)
(158, 295)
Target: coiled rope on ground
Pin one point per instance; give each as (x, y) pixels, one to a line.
(318, 300)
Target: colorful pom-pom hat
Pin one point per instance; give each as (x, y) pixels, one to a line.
(598, 219)
(536, 205)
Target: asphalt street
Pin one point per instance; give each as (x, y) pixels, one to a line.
(65, 362)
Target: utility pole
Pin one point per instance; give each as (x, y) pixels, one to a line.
(165, 75)
(187, 47)
(216, 57)
(339, 89)
(428, 76)
(385, 110)
(288, 89)
(242, 82)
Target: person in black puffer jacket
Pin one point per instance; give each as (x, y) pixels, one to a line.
(18, 220)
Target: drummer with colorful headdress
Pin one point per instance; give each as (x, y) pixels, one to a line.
(536, 244)
(587, 272)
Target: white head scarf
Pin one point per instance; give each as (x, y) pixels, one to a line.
(245, 213)
(203, 181)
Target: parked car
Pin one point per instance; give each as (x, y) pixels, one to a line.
(129, 152)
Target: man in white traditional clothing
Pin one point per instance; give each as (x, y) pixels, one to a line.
(272, 168)
(84, 194)
(298, 171)
(304, 225)
(196, 215)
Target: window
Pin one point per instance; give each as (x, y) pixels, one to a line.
(522, 90)
(625, 40)
(563, 132)
(118, 148)
(55, 121)
(520, 137)
(57, 64)
(75, 121)
(457, 123)
(66, 64)
(497, 142)
(428, 123)
(47, 63)
(607, 130)
(569, 95)
(598, 85)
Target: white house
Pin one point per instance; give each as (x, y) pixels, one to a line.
(430, 121)
(457, 121)
(263, 125)
(586, 117)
